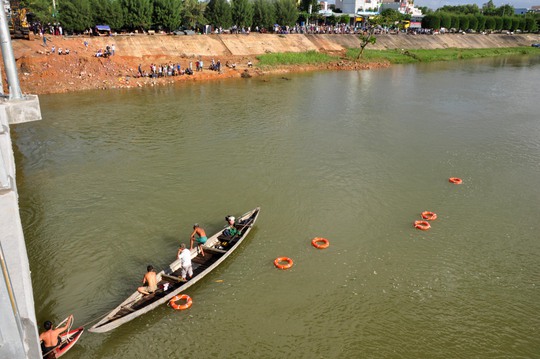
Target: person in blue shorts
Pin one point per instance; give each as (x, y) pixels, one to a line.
(198, 235)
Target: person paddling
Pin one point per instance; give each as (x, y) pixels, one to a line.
(50, 338)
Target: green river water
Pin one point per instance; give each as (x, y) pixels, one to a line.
(110, 181)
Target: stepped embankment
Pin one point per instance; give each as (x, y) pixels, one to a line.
(42, 71)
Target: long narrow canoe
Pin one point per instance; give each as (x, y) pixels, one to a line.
(217, 248)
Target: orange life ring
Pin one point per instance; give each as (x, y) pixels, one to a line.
(184, 306)
(423, 225)
(320, 243)
(430, 216)
(455, 180)
(278, 264)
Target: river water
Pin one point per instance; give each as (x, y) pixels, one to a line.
(112, 181)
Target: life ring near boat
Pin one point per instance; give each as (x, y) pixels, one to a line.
(288, 263)
(320, 243)
(430, 216)
(177, 298)
(455, 180)
(423, 225)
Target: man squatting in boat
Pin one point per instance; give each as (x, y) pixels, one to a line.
(50, 338)
(150, 280)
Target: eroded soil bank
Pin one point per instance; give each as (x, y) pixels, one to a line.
(41, 71)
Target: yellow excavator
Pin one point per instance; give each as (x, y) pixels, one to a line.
(18, 23)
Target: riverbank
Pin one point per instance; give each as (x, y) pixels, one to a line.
(41, 71)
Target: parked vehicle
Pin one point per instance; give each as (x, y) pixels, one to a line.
(183, 31)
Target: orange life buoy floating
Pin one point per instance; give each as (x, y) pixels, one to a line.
(320, 243)
(430, 216)
(184, 306)
(455, 180)
(278, 263)
(423, 225)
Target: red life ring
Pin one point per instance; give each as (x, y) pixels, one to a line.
(455, 180)
(288, 264)
(430, 216)
(423, 225)
(320, 243)
(184, 306)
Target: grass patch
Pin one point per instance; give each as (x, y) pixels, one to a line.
(399, 56)
(294, 58)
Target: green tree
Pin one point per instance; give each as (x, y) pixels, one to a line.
(166, 14)
(264, 14)
(498, 23)
(506, 23)
(75, 15)
(518, 22)
(137, 14)
(505, 10)
(460, 9)
(242, 13)
(432, 21)
(332, 19)
(305, 4)
(490, 23)
(286, 12)
(455, 22)
(463, 22)
(446, 20)
(481, 22)
(219, 13)
(107, 12)
(473, 22)
(42, 9)
(193, 14)
(385, 19)
(530, 24)
(489, 8)
(425, 10)
(389, 18)
(344, 19)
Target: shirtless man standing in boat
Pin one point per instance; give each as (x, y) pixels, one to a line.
(150, 280)
(50, 338)
(201, 237)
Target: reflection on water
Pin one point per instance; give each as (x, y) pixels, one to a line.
(112, 181)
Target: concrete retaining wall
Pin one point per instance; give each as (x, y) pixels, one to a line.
(256, 44)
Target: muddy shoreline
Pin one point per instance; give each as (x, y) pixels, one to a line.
(44, 72)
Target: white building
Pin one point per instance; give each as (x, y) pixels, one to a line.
(373, 7)
(403, 6)
(359, 6)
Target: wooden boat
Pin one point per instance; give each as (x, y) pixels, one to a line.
(67, 341)
(216, 249)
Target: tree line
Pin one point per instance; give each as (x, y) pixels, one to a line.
(487, 18)
(168, 15)
(76, 16)
(479, 22)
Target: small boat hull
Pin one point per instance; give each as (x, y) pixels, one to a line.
(68, 340)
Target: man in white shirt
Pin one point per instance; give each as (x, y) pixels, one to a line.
(184, 255)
